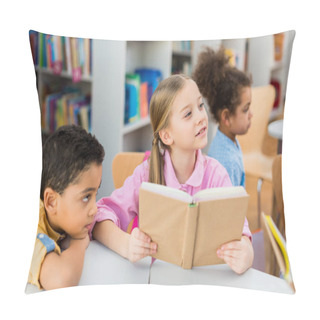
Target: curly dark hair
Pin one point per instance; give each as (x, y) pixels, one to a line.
(66, 153)
(218, 81)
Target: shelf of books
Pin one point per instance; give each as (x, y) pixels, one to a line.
(62, 65)
(63, 73)
(147, 63)
(139, 87)
(65, 56)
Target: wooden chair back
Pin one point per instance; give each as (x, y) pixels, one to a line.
(277, 187)
(261, 106)
(123, 165)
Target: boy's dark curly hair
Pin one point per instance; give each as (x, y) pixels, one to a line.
(67, 153)
(219, 82)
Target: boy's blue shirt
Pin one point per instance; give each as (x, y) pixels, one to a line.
(229, 155)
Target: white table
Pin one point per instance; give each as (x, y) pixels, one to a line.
(275, 129)
(103, 266)
(220, 275)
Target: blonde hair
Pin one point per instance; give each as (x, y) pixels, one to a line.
(160, 107)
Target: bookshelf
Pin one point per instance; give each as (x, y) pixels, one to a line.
(182, 57)
(110, 62)
(64, 74)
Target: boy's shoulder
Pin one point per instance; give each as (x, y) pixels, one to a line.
(45, 243)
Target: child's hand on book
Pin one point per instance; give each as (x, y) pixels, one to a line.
(237, 254)
(140, 245)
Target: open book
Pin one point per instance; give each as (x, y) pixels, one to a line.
(189, 229)
(279, 247)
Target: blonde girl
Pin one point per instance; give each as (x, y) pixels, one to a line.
(179, 121)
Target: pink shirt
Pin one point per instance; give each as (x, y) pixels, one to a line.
(123, 204)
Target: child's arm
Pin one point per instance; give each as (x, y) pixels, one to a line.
(133, 247)
(237, 254)
(60, 271)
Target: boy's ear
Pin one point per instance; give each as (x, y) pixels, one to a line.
(166, 137)
(50, 201)
(225, 117)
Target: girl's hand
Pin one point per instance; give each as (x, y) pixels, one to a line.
(140, 245)
(237, 254)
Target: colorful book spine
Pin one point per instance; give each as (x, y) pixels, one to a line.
(87, 55)
(133, 89)
(40, 49)
(63, 53)
(81, 54)
(75, 66)
(68, 55)
(49, 50)
(33, 35)
(57, 55)
(144, 99)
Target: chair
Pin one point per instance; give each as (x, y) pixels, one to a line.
(277, 187)
(256, 163)
(123, 165)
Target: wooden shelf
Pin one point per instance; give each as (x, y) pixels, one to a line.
(63, 74)
(128, 128)
(182, 53)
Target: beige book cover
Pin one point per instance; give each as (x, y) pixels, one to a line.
(189, 230)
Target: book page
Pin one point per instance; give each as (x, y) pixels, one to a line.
(219, 193)
(167, 191)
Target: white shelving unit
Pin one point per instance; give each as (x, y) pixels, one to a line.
(263, 67)
(111, 61)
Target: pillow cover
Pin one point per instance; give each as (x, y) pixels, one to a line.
(105, 87)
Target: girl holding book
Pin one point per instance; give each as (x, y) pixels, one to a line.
(228, 93)
(179, 121)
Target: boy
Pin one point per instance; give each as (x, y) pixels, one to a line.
(71, 177)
